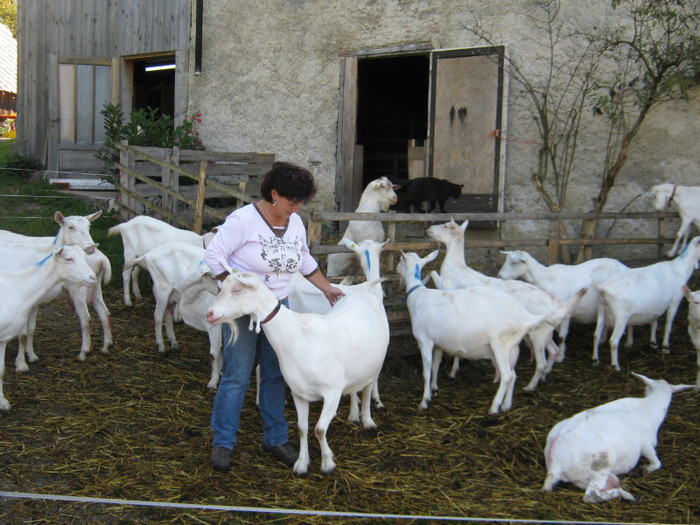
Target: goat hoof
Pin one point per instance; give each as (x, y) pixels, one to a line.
(665, 350)
(21, 369)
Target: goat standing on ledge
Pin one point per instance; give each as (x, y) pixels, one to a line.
(687, 198)
(322, 356)
(376, 197)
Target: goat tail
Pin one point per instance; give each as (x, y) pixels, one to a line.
(600, 291)
(101, 266)
(136, 261)
(106, 271)
(569, 305)
(114, 230)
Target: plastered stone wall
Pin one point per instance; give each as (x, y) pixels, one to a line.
(271, 74)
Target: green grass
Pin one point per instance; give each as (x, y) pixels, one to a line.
(28, 207)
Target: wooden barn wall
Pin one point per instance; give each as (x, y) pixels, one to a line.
(85, 28)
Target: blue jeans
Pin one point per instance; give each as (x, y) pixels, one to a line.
(239, 360)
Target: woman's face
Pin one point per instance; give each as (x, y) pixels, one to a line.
(284, 207)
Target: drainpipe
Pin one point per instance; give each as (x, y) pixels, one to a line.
(198, 38)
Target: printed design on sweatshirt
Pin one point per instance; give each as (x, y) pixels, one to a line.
(281, 254)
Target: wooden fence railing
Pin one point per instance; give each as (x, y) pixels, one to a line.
(184, 205)
(551, 243)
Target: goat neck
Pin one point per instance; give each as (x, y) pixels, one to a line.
(687, 261)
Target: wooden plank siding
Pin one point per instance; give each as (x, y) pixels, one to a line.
(82, 29)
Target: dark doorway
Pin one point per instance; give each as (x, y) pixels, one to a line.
(392, 110)
(154, 84)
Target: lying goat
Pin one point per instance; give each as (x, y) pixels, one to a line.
(591, 448)
(322, 356)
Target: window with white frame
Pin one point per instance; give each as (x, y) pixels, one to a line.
(84, 89)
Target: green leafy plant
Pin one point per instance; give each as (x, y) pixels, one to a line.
(21, 165)
(146, 127)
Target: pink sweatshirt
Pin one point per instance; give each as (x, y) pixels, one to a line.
(249, 244)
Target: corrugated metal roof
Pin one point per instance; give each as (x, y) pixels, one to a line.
(8, 60)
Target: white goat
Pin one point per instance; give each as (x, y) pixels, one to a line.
(455, 274)
(143, 233)
(305, 297)
(687, 198)
(73, 230)
(376, 197)
(322, 356)
(21, 290)
(693, 299)
(18, 256)
(194, 296)
(474, 323)
(591, 448)
(563, 281)
(641, 295)
(169, 264)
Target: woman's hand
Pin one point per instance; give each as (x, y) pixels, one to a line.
(333, 294)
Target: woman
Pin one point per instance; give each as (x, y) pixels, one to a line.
(269, 239)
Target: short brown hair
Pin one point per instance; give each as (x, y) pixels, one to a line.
(290, 181)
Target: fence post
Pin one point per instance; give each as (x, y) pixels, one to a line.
(313, 233)
(170, 179)
(241, 188)
(662, 230)
(392, 238)
(553, 242)
(199, 205)
(127, 181)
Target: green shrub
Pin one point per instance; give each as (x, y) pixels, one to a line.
(20, 165)
(145, 128)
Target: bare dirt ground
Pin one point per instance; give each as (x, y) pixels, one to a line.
(134, 425)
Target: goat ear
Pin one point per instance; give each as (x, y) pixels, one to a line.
(678, 388)
(93, 216)
(248, 280)
(464, 224)
(348, 242)
(58, 217)
(431, 256)
(644, 378)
